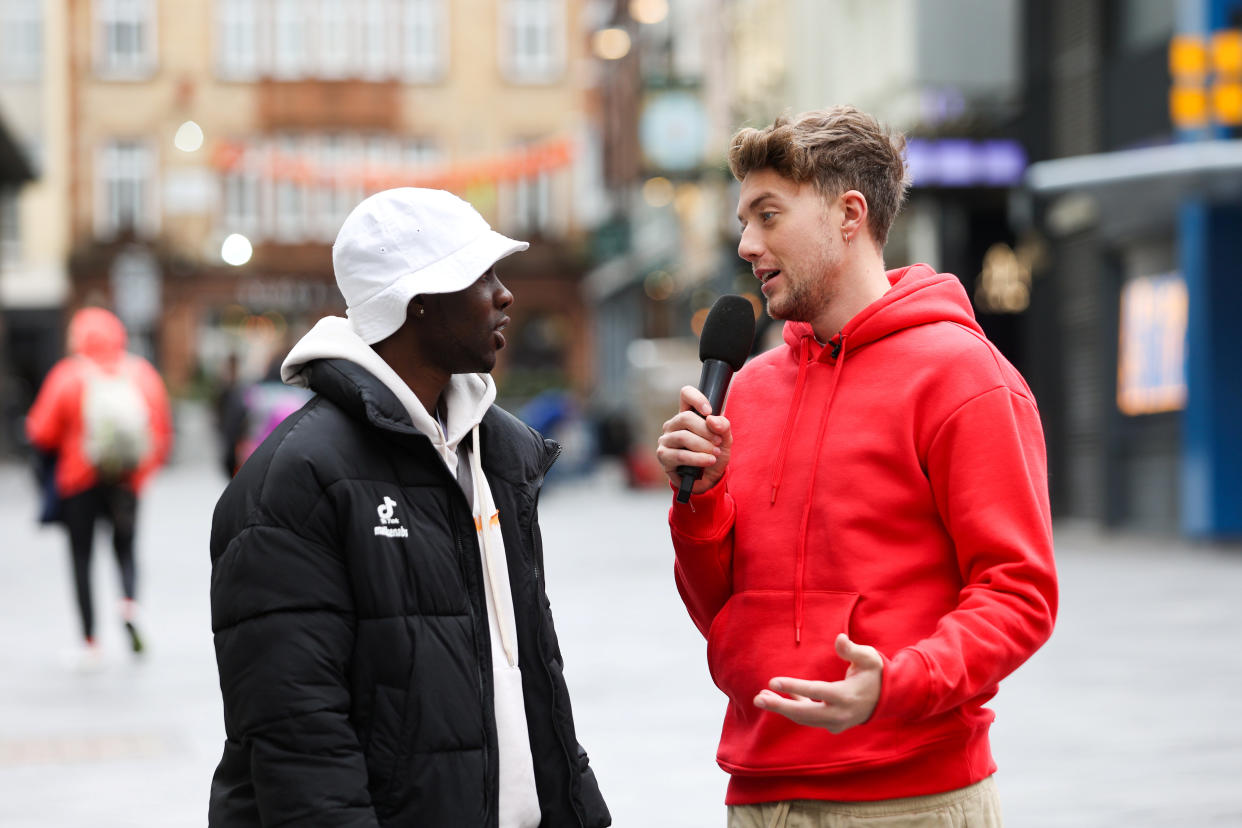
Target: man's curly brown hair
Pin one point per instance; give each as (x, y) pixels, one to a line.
(838, 149)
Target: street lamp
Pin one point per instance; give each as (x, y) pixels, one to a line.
(236, 249)
(189, 137)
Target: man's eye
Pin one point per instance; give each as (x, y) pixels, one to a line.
(766, 215)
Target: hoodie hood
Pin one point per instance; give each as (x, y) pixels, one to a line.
(468, 396)
(98, 334)
(918, 296)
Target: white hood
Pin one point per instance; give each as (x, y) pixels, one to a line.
(468, 396)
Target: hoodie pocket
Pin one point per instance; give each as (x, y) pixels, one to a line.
(751, 640)
(750, 643)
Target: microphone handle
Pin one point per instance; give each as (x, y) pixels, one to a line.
(713, 382)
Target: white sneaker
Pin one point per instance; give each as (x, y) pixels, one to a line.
(89, 659)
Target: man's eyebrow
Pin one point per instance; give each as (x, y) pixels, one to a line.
(754, 202)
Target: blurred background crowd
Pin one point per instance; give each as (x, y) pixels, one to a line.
(186, 163)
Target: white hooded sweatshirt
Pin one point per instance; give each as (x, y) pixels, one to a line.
(467, 398)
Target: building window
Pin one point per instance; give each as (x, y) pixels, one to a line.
(301, 186)
(378, 39)
(21, 40)
(334, 196)
(423, 50)
(10, 228)
(291, 39)
(237, 39)
(532, 40)
(126, 190)
(336, 31)
(527, 201)
(243, 196)
(419, 152)
(532, 203)
(290, 215)
(125, 37)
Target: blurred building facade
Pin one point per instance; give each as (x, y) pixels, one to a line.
(945, 71)
(34, 237)
(1103, 272)
(1138, 370)
(662, 92)
(211, 149)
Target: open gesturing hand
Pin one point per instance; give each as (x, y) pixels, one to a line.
(833, 705)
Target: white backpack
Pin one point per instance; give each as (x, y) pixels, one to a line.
(116, 427)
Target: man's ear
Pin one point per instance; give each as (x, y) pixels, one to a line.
(417, 307)
(854, 213)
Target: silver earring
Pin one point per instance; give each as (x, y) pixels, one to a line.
(419, 312)
(846, 237)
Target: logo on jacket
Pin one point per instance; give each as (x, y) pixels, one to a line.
(389, 526)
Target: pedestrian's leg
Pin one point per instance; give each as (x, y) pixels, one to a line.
(79, 512)
(123, 514)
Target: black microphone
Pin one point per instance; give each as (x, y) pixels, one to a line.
(728, 334)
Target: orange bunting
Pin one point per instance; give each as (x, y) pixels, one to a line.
(521, 163)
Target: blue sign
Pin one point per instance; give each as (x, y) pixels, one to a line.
(1151, 352)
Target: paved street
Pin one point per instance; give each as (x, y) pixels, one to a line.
(1131, 716)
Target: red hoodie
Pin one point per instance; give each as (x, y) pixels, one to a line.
(891, 485)
(54, 421)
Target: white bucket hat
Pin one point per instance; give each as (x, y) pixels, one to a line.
(399, 243)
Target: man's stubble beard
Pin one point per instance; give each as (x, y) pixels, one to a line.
(804, 301)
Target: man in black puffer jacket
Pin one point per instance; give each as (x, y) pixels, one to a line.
(386, 649)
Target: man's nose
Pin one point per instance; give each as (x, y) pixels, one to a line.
(748, 247)
(503, 298)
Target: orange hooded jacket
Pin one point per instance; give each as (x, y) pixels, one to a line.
(54, 422)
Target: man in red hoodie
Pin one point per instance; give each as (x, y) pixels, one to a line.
(104, 412)
(869, 550)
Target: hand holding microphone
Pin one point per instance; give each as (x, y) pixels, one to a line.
(693, 446)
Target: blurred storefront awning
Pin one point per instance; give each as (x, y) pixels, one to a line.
(14, 168)
(1134, 190)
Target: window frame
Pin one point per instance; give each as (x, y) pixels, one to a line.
(127, 161)
(107, 17)
(547, 18)
(232, 17)
(21, 40)
(413, 67)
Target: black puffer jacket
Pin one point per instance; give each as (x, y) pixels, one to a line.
(355, 663)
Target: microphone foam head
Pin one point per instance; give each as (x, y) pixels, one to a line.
(729, 331)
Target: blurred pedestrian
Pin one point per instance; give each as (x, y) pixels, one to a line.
(229, 409)
(104, 414)
(385, 646)
(869, 550)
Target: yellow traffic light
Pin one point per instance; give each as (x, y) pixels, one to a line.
(1227, 53)
(1187, 57)
(1227, 103)
(1188, 106)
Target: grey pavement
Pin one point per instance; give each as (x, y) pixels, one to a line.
(1131, 716)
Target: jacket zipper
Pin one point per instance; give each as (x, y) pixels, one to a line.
(543, 473)
(484, 663)
(569, 760)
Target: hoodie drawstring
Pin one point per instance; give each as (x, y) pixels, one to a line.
(487, 523)
(778, 467)
(838, 351)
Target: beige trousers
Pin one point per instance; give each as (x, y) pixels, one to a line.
(975, 806)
